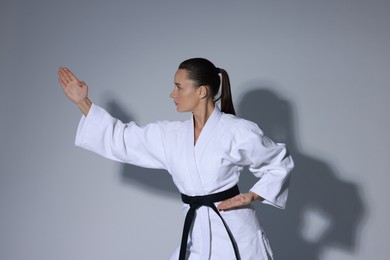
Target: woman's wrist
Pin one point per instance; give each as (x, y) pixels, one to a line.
(256, 196)
(85, 106)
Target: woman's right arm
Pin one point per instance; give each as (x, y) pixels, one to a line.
(128, 143)
(74, 89)
(105, 135)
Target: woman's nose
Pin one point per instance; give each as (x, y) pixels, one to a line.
(172, 95)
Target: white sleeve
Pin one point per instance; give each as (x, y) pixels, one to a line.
(99, 132)
(268, 161)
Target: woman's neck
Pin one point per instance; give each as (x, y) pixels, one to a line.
(202, 115)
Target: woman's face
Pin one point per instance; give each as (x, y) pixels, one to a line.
(184, 94)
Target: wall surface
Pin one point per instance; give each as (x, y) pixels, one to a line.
(313, 74)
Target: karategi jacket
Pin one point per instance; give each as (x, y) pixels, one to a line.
(213, 164)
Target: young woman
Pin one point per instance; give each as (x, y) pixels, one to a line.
(204, 155)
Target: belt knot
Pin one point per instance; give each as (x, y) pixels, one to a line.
(207, 200)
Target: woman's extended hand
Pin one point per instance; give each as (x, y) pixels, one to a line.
(238, 201)
(75, 90)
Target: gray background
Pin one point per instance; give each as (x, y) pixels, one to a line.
(313, 74)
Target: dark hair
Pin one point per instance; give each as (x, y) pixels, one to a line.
(204, 73)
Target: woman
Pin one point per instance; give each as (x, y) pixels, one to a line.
(204, 155)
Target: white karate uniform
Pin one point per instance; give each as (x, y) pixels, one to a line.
(226, 144)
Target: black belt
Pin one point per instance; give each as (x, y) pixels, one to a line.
(207, 200)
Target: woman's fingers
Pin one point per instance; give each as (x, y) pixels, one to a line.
(235, 202)
(62, 79)
(74, 89)
(65, 76)
(70, 74)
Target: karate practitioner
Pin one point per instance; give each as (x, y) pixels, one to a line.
(204, 155)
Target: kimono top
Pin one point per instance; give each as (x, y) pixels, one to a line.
(224, 147)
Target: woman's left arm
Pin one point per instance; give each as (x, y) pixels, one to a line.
(268, 161)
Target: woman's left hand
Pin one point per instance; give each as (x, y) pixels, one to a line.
(238, 201)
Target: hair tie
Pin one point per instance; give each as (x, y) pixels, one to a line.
(218, 70)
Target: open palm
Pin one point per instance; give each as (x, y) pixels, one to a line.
(75, 90)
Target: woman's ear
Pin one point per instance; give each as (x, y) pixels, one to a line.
(203, 92)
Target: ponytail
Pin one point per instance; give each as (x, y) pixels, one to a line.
(226, 94)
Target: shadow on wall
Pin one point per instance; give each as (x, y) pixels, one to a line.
(323, 211)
